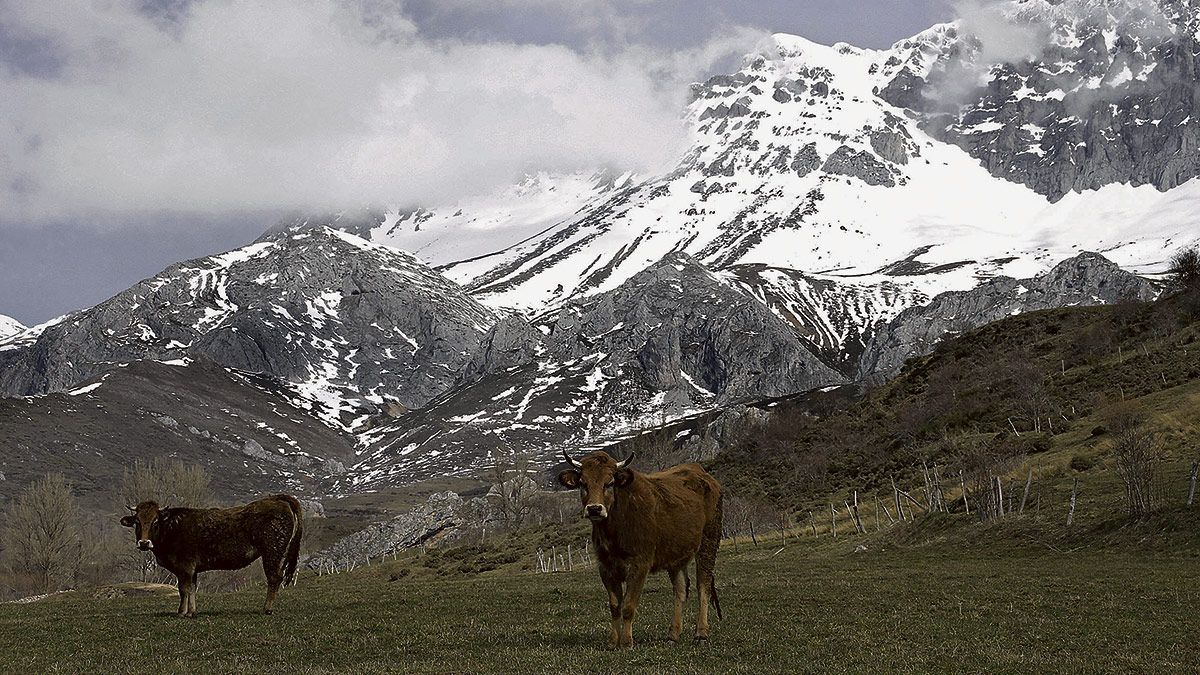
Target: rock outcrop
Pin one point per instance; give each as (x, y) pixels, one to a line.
(1086, 279)
(437, 518)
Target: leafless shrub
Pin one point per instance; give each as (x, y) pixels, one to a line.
(168, 482)
(1138, 455)
(515, 492)
(41, 535)
(981, 462)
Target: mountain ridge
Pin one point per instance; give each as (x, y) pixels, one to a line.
(821, 229)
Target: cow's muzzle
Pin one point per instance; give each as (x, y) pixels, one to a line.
(596, 512)
(145, 544)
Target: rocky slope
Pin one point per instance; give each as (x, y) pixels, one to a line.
(426, 524)
(242, 428)
(342, 321)
(1108, 96)
(674, 340)
(1086, 279)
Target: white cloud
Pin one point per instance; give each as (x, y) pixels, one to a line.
(262, 104)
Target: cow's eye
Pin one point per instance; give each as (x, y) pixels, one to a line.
(609, 484)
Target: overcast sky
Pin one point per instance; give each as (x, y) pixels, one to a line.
(136, 133)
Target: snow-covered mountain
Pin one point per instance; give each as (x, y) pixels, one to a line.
(838, 211)
(9, 326)
(810, 158)
(350, 325)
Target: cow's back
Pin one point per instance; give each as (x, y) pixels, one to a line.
(686, 500)
(230, 538)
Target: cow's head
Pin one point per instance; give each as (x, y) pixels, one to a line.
(144, 521)
(597, 478)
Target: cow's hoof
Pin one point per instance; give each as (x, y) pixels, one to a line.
(700, 640)
(673, 638)
(268, 612)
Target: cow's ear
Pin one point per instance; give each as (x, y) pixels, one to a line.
(623, 477)
(569, 478)
(129, 521)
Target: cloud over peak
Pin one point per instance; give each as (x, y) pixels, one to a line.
(228, 105)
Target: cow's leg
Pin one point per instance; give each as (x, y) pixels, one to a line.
(195, 588)
(680, 585)
(704, 580)
(636, 579)
(187, 592)
(273, 567)
(616, 596)
(184, 584)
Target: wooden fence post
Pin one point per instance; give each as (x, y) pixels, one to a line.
(1192, 483)
(1071, 511)
(812, 520)
(928, 486)
(937, 486)
(899, 504)
(833, 520)
(963, 482)
(1025, 494)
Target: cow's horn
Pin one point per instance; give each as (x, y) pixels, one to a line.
(625, 462)
(131, 508)
(575, 464)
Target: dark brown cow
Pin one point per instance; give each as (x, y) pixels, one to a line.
(646, 522)
(190, 541)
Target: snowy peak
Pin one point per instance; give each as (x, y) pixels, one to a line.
(9, 326)
(345, 322)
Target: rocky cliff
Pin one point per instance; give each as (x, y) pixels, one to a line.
(1086, 279)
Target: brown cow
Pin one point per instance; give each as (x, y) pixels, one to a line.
(190, 541)
(646, 522)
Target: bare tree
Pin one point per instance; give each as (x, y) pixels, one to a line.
(1138, 453)
(514, 493)
(168, 482)
(41, 534)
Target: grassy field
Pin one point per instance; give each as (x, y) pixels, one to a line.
(810, 607)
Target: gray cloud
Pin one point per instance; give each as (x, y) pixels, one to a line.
(286, 103)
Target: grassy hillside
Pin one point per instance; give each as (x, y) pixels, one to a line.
(810, 607)
(1035, 391)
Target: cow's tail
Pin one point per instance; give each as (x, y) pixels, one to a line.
(293, 552)
(708, 553)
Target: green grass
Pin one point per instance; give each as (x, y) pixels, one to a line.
(812, 607)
